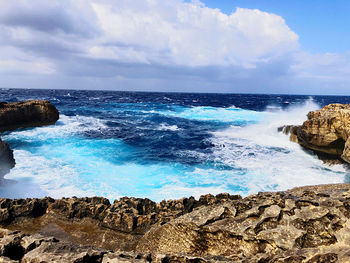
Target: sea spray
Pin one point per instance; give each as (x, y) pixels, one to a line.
(150, 145)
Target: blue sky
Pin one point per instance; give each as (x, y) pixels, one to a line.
(238, 46)
(323, 25)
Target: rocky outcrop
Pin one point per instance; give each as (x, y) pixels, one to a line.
(6, 159)
(325, 131)
(308, 224)
(29, 113)
(22, 114)
(296, 224)
(97, 221)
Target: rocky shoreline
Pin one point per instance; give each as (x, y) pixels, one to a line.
(306, 224)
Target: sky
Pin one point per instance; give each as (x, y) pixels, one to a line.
(228, 46)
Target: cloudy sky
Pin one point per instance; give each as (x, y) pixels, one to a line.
(249, 46)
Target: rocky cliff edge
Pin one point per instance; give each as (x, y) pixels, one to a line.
(307, 224)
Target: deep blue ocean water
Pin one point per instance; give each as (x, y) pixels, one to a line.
(163, 145)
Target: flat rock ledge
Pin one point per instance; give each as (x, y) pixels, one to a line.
(326, 132)
(306, 224)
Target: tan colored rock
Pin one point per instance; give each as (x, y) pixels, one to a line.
(309, 223)
(305, 224)
(325, 131)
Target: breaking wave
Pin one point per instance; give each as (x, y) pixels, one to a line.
(163, 151)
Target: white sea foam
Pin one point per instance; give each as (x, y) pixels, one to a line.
(231, 114)
(165, 127)
(66, 125)
(37, 176)
(270, 160)
(245, 159)
(39, 170)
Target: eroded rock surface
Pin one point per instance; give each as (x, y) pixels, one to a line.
(95, 220)
(29, 113)
(325, 131)
(301, 222)
(307, 224)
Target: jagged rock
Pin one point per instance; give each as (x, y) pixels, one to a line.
(29, 113)
(36, 248)
(266, 224)
(134, 215)
(18, 247)
(95, 220)
(56, 251)
(6, 159)
(326, 131)
(306, 224)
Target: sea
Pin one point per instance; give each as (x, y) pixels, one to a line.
(163, 145)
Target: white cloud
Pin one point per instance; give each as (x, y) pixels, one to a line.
(156, 40)
(174, 32)
(327, 66)
(14, 61)
(154, 31)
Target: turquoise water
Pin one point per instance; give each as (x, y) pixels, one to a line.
(162, 151)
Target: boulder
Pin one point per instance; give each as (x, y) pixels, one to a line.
(326, 131)
(24, 114)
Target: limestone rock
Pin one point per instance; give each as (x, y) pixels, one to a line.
(95, 220)
(325, 131)
(266, 225)
(306, 224)
(29, 113)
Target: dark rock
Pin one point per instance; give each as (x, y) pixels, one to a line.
(29, 113)
(6, 159)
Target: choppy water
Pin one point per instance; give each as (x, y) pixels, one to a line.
(163, 145)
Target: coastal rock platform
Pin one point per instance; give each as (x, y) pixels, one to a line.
(306, 224)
